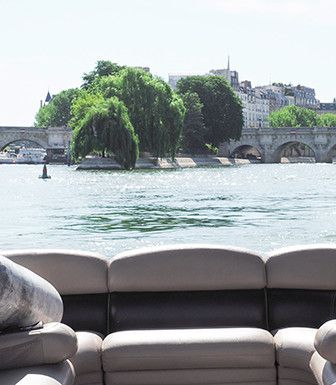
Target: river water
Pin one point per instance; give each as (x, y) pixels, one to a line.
(261, 207)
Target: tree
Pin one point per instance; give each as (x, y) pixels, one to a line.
(194, 130)
(103, 125)
(102, 68)
(57, 113)
(293, 116)
(327, 120)
(155, 111)
(222, 109)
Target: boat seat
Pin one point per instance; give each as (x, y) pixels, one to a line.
(57, 374)
(155, 357)
(294, 349)
(87, 360)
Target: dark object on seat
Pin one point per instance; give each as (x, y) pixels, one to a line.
(25, 298)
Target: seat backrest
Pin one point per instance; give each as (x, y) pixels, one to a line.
(301, 286)
(80, 278)
(185, 287)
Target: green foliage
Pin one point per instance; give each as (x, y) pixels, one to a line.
(327, 120)
(103, 125)
(57, 113)
(155, 111)
(293, 116)
(103, 68)
(212, 148)
(194, 130)
(222, 108)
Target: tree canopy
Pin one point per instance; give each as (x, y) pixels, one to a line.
(194, 130)
(222, 108)
(103, 125)
(294, 116)
(327, 120)
(155, 111)
(57, 113)
(102, 68)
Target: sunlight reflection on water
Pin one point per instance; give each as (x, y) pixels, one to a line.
(257, 206)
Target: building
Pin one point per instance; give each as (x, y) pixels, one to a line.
(255, 106)
(305, 97)
(325, 108)
(231, 76)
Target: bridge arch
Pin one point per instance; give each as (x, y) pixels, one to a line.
(247, 151)
(294, 149)
(39, 143)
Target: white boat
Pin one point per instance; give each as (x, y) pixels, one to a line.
(24, 156)
(31, 156)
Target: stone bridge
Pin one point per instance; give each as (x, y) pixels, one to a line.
(53, 139)
(270, 144)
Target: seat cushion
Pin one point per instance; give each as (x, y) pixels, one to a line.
(51, 344)
(58, 374)
(188, 349)
(87, 361)
(323, 370)
(294, 347)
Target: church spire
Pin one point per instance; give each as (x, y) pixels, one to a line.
(228, 65)
(48, 97)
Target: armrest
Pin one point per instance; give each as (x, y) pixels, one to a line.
(58, 374)
(325, 341)
(51, 344)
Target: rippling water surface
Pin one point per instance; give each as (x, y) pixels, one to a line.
(261, 207)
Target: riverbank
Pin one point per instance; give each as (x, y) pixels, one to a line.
(148, 163)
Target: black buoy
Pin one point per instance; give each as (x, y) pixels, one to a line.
(45, 173)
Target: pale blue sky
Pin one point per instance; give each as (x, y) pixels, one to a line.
(49, 44)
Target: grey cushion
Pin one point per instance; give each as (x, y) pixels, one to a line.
(323, 370)
(53, 343)
(294, 347)
(188, 349)
(325, 341)
(186, 267)
(71, 272)
(87, 360)
(228, 376)
(58, 374)
(291, 376)
(302, 267)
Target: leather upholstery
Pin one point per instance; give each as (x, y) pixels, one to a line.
(58, 374)
(228, 376)
(51, 344)
(299, 308)
(87, 360)
(76, 272)
(324, 371)
(294, 347)
(325, 341)
(186, 268)
(293, 376)
(86, 312)
(129, 311)
(302, 267)
(188, 349)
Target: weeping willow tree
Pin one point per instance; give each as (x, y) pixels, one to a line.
(102, 125)
(156, 112)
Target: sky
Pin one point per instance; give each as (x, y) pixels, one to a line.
(48, 45)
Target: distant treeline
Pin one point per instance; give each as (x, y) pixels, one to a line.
(294, 116)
